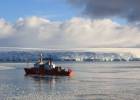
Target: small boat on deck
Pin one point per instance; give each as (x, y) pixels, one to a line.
(42, 67)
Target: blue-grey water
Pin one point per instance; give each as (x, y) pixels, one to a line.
(92, 81)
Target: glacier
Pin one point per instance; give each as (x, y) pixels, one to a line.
(31, 55)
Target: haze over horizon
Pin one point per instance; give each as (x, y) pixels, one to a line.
(70, 24)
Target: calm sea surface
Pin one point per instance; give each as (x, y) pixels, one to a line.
(92, 81)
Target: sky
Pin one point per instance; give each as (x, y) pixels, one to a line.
(70, 23)
(52, 9)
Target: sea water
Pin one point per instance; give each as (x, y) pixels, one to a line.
(91, 81)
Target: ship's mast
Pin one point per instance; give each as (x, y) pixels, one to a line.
(41, 58)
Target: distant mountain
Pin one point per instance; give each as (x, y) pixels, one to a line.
(62, 55)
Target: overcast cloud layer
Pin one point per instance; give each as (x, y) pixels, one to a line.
(76, 32)
(128, 9)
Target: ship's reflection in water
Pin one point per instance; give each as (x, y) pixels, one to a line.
(50, 82)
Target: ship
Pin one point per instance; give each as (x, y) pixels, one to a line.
(47, 67)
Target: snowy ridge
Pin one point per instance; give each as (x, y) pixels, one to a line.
(64, 55)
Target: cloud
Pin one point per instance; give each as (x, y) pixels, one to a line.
(128, 9)
(77, 32)
(5, 29)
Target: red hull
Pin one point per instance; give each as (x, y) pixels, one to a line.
(42, 71)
